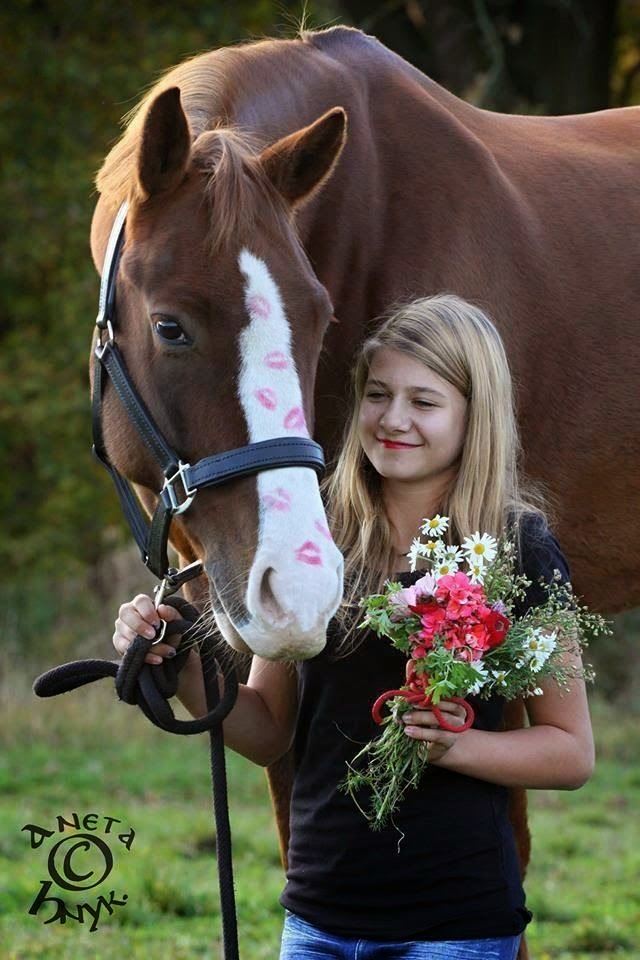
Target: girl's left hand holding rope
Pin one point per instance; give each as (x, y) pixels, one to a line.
(422, 725)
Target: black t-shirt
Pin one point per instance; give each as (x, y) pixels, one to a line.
(455, 874)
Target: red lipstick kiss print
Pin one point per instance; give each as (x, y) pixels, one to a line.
(309, 553)
(278, 499)
(267, 397)
(276, 360)
(259, 306)
(294, 420)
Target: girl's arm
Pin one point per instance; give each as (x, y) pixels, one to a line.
(261, 724)
(555, 752)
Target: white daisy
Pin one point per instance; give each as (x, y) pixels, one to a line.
(476, 573)
(480, 547)
(416, 550)
(538, 648)
(482, 676)
(435, 526)
(443, 568)
(433, 547)
(500, 676)
(453, 554)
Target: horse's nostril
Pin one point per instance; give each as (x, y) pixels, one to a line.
(269, 606)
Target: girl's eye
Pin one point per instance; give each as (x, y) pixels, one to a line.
(424, 403)
(170, 330)
(374, 396)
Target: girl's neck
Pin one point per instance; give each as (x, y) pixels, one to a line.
(407, 506)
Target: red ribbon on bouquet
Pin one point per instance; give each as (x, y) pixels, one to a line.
(420, 699)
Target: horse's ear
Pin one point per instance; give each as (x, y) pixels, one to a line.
(299, 163)
(165, 144)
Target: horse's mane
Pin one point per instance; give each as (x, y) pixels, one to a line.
(220, 147)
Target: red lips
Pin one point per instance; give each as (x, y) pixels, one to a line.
(395, 445)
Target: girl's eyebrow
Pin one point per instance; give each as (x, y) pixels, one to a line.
(381, 383)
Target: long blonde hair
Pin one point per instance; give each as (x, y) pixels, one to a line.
(457, 341)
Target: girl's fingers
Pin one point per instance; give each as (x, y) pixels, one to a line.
(455, 715)
(130, 619)
(167, 612)
(145, 607)
(449, 706)
(422, 718)
(139, 616)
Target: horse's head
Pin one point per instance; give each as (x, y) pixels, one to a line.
(220, 320)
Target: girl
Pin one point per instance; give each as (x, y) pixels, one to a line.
(432, 431)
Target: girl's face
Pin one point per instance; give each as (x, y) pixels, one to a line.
(412, 422)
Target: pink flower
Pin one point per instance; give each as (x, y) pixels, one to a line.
(401, 602)
(408, 597)
(425, 586)
(459, 587)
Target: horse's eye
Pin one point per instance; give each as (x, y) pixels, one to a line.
(170, 330)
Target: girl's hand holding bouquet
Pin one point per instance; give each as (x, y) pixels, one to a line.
(460, 633)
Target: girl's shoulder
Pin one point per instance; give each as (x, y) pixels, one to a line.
(539, 554)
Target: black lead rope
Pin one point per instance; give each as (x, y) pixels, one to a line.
(151, 687)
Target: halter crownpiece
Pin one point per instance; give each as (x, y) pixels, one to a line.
(182, 481)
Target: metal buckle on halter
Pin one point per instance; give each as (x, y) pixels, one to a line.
(177, 507)
(173, 580)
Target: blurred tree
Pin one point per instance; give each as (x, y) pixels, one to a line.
(510, 55)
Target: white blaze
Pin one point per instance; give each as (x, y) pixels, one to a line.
(294, 541)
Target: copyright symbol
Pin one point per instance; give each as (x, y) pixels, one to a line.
(92, 854)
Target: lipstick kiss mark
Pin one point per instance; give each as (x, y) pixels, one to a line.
(323, 529)
(259, 306)
(309, 553)
(294, 420)
(276, 360)
(267, 397)
(278, 499)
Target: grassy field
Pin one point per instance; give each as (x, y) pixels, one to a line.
(86, 753)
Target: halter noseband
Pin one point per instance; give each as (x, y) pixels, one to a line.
(182, 480)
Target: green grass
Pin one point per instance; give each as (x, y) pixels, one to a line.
(88, 753)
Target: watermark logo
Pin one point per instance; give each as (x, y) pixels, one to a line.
(78, 862)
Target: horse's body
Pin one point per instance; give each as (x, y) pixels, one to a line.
(533, 218)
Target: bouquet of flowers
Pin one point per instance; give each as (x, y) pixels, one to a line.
(458, 629)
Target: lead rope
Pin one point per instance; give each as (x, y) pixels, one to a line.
(151, 687)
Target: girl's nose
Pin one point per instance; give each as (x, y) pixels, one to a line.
(395, 417)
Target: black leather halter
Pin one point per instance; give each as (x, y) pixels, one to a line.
(182, 480)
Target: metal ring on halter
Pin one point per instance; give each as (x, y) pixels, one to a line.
(177, 507)
(163, 630)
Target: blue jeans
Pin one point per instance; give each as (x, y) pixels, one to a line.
(303, 941)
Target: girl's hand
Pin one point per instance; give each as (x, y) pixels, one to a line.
(140, 616)
(422, 725)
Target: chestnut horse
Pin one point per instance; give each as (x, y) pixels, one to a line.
(254, 216)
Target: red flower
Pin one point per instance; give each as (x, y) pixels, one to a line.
(420, 651)
(497, 627)
(432, 616)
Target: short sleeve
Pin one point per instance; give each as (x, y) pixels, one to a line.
(540, 556)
